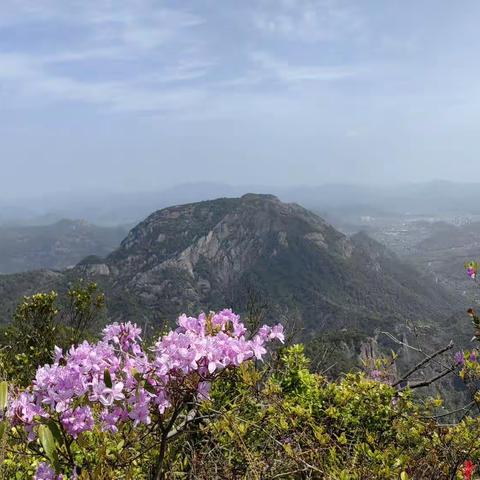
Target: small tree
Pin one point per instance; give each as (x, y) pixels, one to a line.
(30, 339)
(84, 304)
(40, 323)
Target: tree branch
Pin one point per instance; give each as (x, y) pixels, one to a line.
(426, 383)
(419, 365)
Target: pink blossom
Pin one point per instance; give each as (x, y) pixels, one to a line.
(110, 395)
(45, 472)
(142, 383)
(77, 421)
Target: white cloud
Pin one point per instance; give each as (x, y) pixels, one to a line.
(33, 82)
(290, 73)
(138, 56)
(114, 33)
(308, 20)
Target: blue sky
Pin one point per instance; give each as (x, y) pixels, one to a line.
(142, 94)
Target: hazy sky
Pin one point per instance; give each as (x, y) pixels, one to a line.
(142, 94)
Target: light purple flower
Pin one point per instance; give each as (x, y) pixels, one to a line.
(110, 395)
(140, 412)
(111, 419)
(77, 421)
(277, 332)
(144, 382)
(24, 409)
(45, 472)
(123, 334)
(257, 347)
(459, 358)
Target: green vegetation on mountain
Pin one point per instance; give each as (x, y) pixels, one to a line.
(56, 246)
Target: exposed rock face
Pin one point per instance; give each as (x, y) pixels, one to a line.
(93, 269)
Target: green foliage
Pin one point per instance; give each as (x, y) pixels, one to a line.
(290, 423)
(30, 339)
(97, 455)
(40, 323)
(3, 396)
(84, 305)
(280, 421)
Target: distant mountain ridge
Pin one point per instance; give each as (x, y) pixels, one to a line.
(56, 246)
(114, 208)
(210, 254)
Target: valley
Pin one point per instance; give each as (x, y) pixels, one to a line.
(54, 246)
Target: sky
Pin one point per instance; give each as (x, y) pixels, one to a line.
(145, 94)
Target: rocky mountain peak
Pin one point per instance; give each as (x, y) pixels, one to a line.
(208, 255)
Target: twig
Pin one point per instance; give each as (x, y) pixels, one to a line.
(426, 383)
(323, 372)
(466, 407)
(419, 350)
(423, 362)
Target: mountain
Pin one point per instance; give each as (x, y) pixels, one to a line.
(437, 248)
(212, 254)
(56, 246)
(108, 208)
(444, 252)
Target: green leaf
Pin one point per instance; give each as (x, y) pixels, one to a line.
(107, 379)
(47, 441)
(83, 441)
(149, 388)
(403, 476)
(137, 375)
(3, 395)
(57, 434)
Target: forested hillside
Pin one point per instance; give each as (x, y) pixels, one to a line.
(55, 247)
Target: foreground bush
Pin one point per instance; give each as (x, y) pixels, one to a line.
(205, 402)
(297, 425)
(109, 409)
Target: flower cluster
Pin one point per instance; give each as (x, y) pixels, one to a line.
(466, 358)
(472, 269)
(123, 382)
(46, 472)
(459, 359)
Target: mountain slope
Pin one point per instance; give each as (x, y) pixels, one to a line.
(57, 246)
(211, 254)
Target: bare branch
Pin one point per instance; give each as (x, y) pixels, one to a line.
(426, 383)
(467, 407)
(419, 365)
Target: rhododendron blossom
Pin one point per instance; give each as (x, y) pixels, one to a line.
(459, 358)
(115, 380)
(45, 472)
(472, 269)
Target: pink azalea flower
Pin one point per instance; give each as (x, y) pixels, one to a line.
(110, 395)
